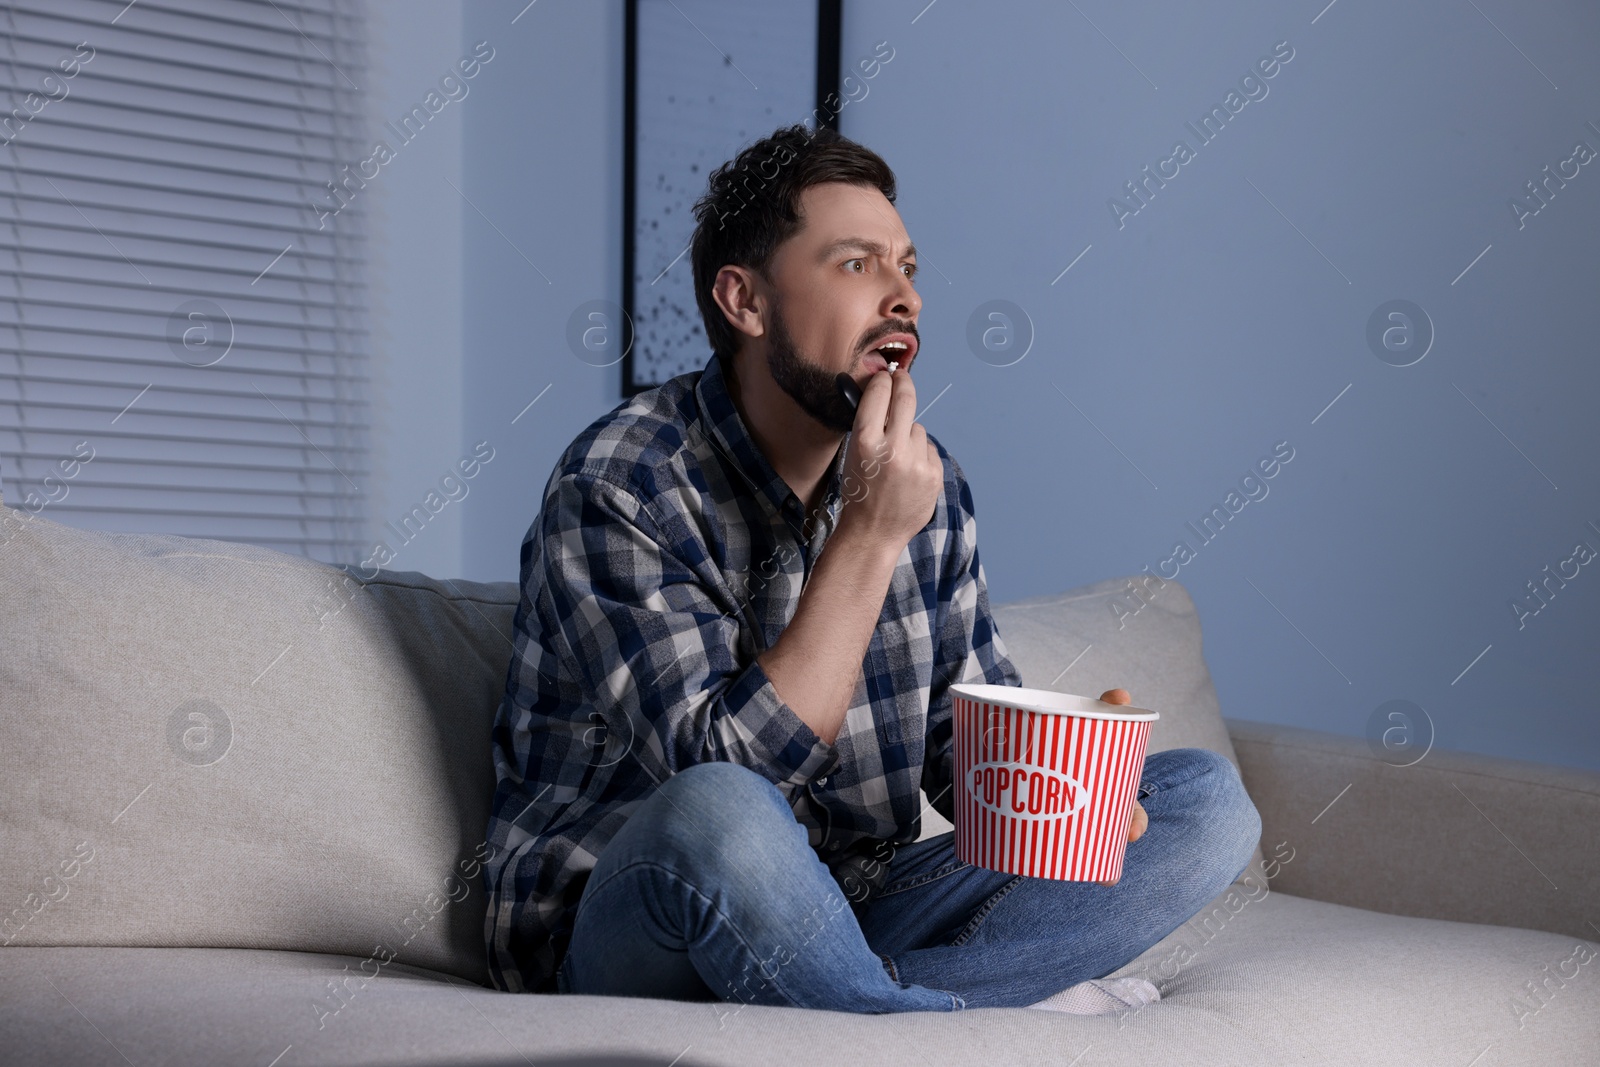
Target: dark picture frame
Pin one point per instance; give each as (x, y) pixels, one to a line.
(673, 77)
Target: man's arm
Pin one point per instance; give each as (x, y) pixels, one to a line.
(816, 662)
(818, 657)
(654, 651)
(968, 647)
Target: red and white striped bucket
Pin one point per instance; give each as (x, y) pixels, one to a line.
(1045, 781)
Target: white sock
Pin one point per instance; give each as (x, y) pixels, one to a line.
(1101, 996)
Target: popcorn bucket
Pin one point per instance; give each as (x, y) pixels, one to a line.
(1045, 781)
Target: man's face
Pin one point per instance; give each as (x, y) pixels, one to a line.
(839, 288)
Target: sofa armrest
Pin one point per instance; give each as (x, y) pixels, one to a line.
(1455, 835)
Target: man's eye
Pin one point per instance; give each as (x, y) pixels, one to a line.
(912, 267)
(850, 261)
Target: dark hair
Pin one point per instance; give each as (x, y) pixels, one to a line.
(751, 207)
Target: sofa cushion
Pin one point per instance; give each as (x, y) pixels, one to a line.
(1103, 636)
(1275, 979)
(208, 743)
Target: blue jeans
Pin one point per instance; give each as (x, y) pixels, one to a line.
(712, 891)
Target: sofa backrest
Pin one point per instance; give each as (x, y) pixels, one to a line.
(213, 744)
(206, 743)
(1141, 634)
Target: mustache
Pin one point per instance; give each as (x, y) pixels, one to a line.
(892, 329)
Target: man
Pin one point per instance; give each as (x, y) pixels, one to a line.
(743, 607)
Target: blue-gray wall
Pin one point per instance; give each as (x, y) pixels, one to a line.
(415, 259)
(543, 165)
(1229, 314)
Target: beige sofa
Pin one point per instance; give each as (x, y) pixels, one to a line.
(245, 797)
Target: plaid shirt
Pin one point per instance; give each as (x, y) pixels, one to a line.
(667, 555)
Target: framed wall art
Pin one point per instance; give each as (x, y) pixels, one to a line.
(704, 79)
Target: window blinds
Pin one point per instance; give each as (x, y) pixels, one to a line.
(183, 323)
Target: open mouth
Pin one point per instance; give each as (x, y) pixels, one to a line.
(874, 361)
(899, 348)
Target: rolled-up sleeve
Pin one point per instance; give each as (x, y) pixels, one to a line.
(968, 647)
(655, 650)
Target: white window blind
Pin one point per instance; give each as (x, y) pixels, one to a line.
(168, 302)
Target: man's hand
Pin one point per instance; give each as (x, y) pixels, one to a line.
(1140, 821)
(893, 473)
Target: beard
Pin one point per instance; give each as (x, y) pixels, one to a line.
(810, 386)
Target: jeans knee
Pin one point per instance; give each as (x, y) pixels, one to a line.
(1237, 821)
(1229, 817)
(718, 784)
(718, 809)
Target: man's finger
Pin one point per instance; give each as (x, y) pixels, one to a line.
(1116, 696)
(1139, 823)
(873, 410)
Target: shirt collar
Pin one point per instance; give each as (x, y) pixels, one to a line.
(727, 430)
